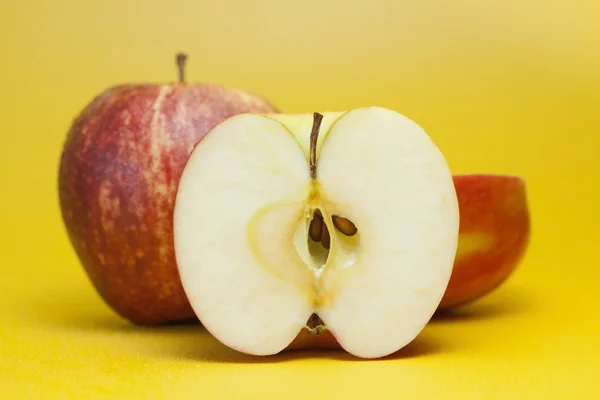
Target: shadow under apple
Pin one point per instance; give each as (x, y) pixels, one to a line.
(77, 312)
(505, 302)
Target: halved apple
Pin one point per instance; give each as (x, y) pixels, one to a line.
(343, 222)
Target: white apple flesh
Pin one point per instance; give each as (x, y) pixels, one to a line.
(245, 202)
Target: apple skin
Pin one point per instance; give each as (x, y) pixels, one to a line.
(118, 175)
(494, 235)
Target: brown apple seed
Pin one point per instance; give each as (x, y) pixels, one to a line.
(325, 238)
(315, 230)
(344, 225)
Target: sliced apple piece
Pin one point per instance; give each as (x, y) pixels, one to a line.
(344, 223)
(494, 235)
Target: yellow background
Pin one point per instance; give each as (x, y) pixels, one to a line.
(502, 86)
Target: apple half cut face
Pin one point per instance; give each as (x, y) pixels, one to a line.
(344, 221)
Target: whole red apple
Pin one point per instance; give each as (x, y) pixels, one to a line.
(118, 177)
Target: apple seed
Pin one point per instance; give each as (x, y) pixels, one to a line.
(325, 238)
(315, 230)
(344, 225)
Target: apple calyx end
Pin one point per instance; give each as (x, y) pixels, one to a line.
(315, 325)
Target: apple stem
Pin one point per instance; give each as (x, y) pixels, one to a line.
(181, 59)
(314, 136)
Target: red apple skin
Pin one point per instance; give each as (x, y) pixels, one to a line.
(118, 176)
(494, 235)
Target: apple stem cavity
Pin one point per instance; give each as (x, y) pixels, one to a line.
(314, 136)
(180, 60)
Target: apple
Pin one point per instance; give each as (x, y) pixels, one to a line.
(118, 175)
(494, 235)
(340, 222)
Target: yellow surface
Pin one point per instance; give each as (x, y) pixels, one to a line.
(502, 86)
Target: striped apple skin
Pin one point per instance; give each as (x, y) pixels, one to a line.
(118, 176)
